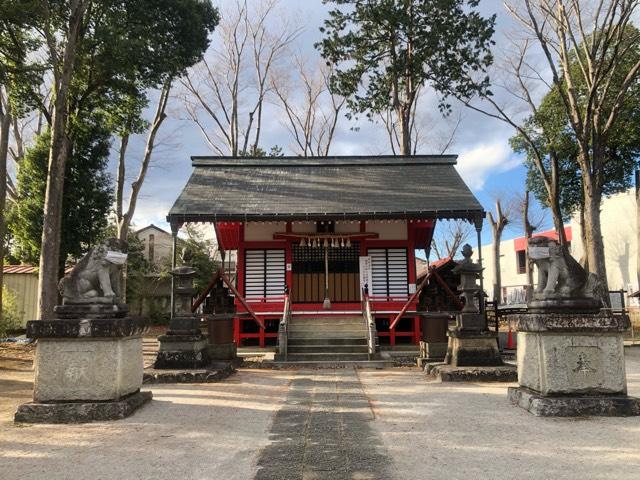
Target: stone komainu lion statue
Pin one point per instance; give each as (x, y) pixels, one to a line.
(559, 274)
(96, 278)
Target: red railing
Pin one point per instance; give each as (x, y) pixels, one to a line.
(220, 275)
(432, 273)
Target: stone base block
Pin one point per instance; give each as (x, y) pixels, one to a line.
(448, 373)
(222, 351)
(572, 363)
(214, 373)
(433, 351)
(182, 351)
(473, 350)
(575, 406)
(81, 412)
(87, 369)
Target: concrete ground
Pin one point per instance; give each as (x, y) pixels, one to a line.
(320, 424)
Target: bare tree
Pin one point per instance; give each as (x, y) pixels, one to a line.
(124, 217)
(531, 219)
(312, 112)
(449, 236)
(226, 103)
(585, 46)
(498, 224)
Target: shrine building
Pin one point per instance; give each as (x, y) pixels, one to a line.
(318, 235)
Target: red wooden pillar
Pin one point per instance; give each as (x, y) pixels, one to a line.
(392, 334)
(236, 330)
(417, 334)
(261, 337)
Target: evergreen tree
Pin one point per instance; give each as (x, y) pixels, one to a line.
(86, 202)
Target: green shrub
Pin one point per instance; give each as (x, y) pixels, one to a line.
(11, 319)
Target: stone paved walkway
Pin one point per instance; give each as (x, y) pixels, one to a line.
(323, 432)
(320, 424)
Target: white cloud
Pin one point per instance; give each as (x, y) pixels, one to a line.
(478, 163)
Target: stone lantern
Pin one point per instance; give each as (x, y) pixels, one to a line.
(184, 345)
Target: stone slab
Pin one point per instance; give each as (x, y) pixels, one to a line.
(222, 351)
(570, 322)
(572, 363)
(91, 310)
(448, 373)
(215, 373)
(81, 412)
(87, 369)
(86, 327)
(433, 350)
(574, 406)
(466, 350)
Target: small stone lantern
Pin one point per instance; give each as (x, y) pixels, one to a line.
(184, 345)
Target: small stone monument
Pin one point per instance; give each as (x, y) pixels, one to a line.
(184, 345)
(434, 326)
(221, 306)
(88, 364)
(472, 350)
(570, 353)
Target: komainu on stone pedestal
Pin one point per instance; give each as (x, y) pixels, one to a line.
(88, 364)
(570, 354)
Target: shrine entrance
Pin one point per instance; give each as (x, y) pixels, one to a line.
(331, 270)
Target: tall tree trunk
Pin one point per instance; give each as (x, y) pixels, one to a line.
(5, 123)
(595, 246)
(58, 152)
(404, 117)
(497, 226)
(497, 276)
(584, 260)
(528, 233)
(638, 228)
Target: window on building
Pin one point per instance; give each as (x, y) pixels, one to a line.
(152, 252)
(264, 274)
(521, 261)
(389, 270)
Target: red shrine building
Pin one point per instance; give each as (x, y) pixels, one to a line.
(321, 233)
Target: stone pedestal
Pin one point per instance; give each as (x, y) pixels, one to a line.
(572, 364)
(433, 346)
(182, 351)
(473, 349)
(86, 369)
(221, 346)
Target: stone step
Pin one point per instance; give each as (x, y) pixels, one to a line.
(326, 336)
(327, 357)
(326, 320)
(348, 348)
(327, 328)
(293, 341)
(378, 364)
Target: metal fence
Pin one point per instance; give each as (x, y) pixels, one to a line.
(497, 314)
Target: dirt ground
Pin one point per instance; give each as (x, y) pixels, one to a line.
(239, 428)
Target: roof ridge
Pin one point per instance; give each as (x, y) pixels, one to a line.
(342, 161)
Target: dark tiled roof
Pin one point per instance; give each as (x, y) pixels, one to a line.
(227, 188)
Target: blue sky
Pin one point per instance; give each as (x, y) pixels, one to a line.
(485, 159)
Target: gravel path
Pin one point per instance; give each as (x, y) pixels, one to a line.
(329, 424)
